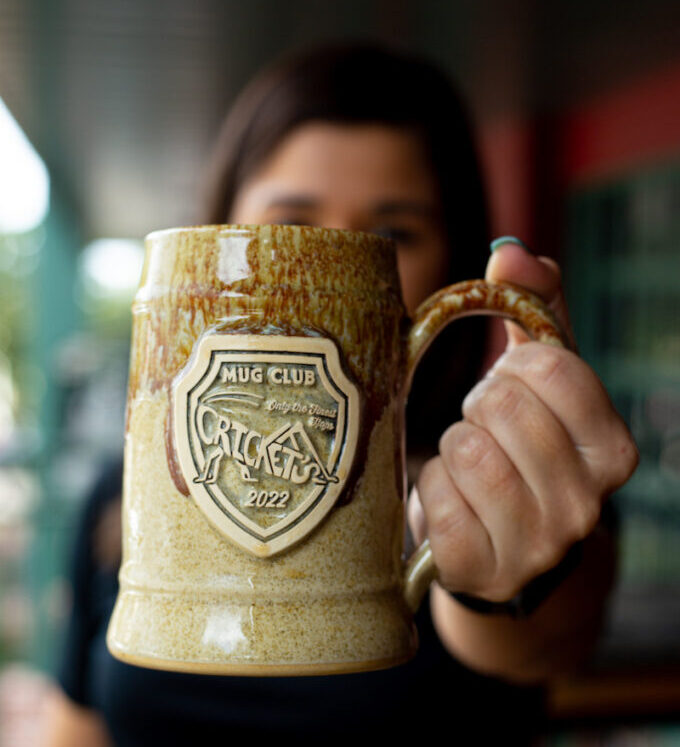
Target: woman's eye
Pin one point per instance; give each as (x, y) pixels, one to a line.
(402, 236)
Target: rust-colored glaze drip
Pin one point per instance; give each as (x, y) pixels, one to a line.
(190, 284)
(171, 454)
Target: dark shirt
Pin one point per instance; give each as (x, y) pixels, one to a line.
(145, 706)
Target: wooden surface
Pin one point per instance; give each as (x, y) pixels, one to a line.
(653, 692)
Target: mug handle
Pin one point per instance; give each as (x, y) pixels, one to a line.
(466, 299)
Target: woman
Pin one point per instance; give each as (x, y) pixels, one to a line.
(367, 139)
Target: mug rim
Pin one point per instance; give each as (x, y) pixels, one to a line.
(245, 228)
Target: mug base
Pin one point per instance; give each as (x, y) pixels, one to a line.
(260, 670)
(213, 634)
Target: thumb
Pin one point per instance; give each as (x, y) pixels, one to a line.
(511, 262)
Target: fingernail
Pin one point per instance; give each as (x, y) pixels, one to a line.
(507, 240)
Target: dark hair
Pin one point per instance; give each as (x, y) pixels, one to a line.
(364, 83)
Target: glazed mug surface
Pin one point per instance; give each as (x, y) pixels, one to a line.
(264, 483)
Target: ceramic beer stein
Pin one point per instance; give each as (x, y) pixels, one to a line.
(264, 486)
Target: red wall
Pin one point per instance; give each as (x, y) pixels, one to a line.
(531, 163)
(623, 130)
(507, 153)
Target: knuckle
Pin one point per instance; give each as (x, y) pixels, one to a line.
(500, 397)
(437, 499)
(548, 364)
(468, 448)
(465, 445)
(446, 526)
(499, 476)
(505, 398)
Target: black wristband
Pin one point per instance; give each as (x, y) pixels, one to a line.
(532, 595)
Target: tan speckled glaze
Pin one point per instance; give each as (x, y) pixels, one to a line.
(192, 600)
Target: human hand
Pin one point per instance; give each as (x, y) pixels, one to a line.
(524, 475)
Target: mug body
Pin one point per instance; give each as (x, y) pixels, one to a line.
(263, 479)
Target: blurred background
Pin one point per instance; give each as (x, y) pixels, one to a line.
(107, 114)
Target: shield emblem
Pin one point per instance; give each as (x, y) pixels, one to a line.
(266, 429)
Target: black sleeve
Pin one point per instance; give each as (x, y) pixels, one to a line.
(86, 579)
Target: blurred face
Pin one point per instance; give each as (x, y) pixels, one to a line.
(359, 177)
